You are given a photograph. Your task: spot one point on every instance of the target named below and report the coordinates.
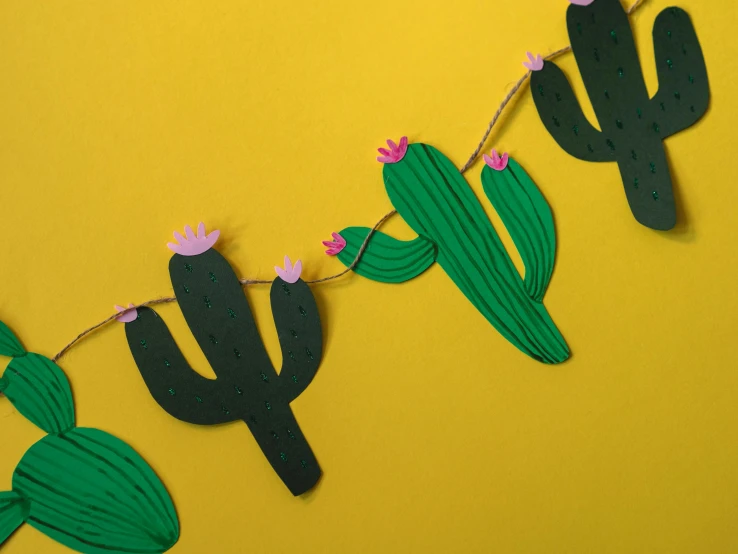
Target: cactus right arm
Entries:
(387, 259)
(175, 386)
(528, 219)
(562, 115)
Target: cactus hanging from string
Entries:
(633, 125)
(247, 387)
(436, 201)
(84, 488)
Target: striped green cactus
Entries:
(84, 488)
(436, 201)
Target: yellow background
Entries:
(121, 121)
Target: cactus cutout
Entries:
(84, 488)
(437, 203)
(633, 125)
(247, 387)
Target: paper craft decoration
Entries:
(84, 488)
(247, 387)
(633, 126)
(438, 204)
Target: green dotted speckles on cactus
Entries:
(608, 62)
(247, 387)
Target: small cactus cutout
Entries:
(83, 488)
(247, 388)
(633, 124)
(435, 200)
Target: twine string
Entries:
(245, 281)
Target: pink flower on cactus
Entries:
(581, 2)
(193, 245)
(336, 245)
(496, 162)
(127, 314)
(536, 62)
(289, 274)
(395, 153)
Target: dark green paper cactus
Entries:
(437, 203)
(633, 125)
(247, 387)
(84, 488)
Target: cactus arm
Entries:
(40, 391)
(563, 117)
(13, 512)
(386, 259)
(175, 386)
(300, 336)
(528, 218)
(684, 91)
(214, 305)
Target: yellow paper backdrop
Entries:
(123, 120)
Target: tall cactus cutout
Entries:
(247, 387)
(437, 203)
(633, 125)
(84, 488)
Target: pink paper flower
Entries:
(395, 152)
(193, 245)
(536, 62)
(581, 2)
(336, 245)
(289, 274)
(496, 162)
(127, 314)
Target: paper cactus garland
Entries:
(435, 200)
(247, 387)
(84, 488)
(633, 125)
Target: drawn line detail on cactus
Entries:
(58, 486)
(371, 230)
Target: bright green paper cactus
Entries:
(633, 125)
(84, 488)
(436, 201)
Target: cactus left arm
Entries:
(684, 91)
(562, 115)
(175, 386)
(300, 336)
(527, 217)
(387, 259)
